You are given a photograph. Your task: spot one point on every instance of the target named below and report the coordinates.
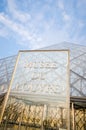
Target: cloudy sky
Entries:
(32, 24)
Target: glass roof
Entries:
(77, 68)
(6, 70)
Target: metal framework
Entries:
(77, 68)
(77, 86)
(6, 70)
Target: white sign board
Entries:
(42, 76)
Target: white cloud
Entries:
(64, 13)
(40, 28)
(27, 35)
(60, 4)
(55, 36)
(16, 13)
(19, 29)
(66, 17)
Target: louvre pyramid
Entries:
(22, 114)
(77, 68)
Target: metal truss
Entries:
(6, 70)
(78, 89)
(77, 68)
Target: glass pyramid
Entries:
(77, 68)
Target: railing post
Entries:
(73, 116)
(44, 114)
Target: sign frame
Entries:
(68, 80)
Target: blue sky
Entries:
(32, 24)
